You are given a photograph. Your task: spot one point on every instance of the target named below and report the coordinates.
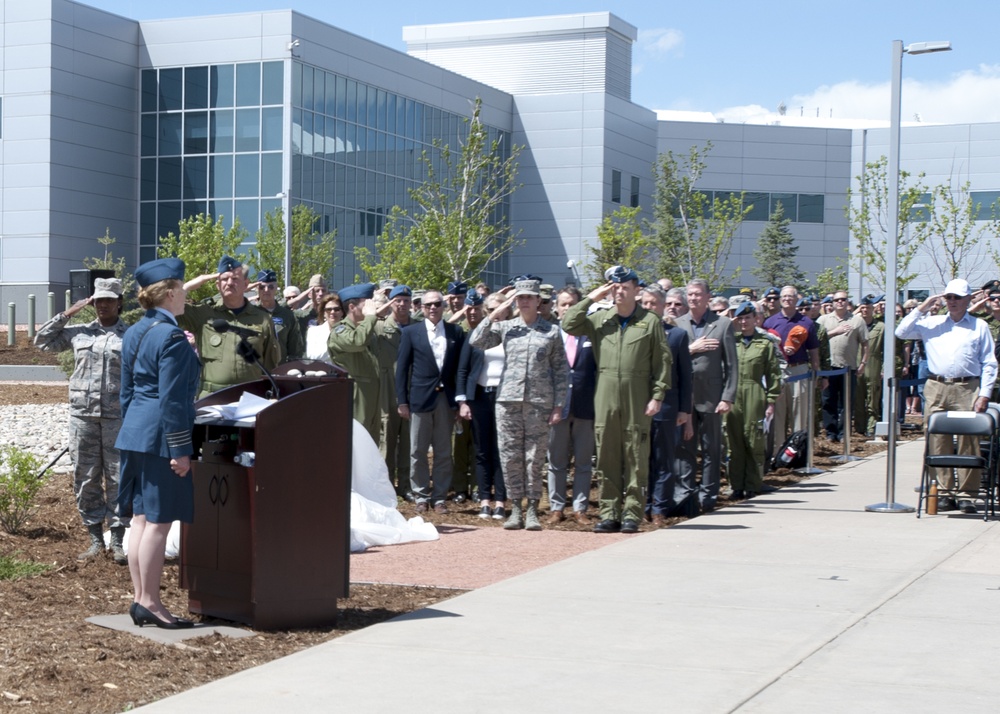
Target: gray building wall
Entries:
(956, 153)
(68, 155)
(774, 159)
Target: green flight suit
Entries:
(222, 365)
(634, 364)
(868, 400)
(395, 444)
(353, 348)
(758, 365)
(286, 329)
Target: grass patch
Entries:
(13, 569)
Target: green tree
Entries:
(691, 234)
(869, 223)
(200, 242)
(776, 252)
(620, 242)
(956, 241)
(460, 224)
(830, 280)
(109, 262)
(312, 251)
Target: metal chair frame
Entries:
(986, 426)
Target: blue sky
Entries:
(737, 60)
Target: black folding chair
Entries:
(981, 425)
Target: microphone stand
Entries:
(245, 350)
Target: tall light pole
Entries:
(888, 424)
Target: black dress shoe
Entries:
(144, 617)
(630, 526)
(131, 612)
(946, 504)
(965, 506)
(608, 526)
(738, 495)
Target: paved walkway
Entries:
(798, 601)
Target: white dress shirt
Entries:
(439, 343)
(954, 349)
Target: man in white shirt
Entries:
(848, 337)
(962, 369)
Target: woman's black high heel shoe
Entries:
(131, 612)
(145, 617)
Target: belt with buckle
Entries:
(951, 380)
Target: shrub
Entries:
(19, 485)
(11, 568)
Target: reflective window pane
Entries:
(195, 87)
(171, 89)
(269, 205)
(196, 133)
(390, 114)
(248, 214)
(270, 174)
(170, 134)
(296, 84)
(273, 84)
(271, 129)
(788, 205)
(351, 99)
(331, 94)
(222, 84)
(147, 224)
(195, 177)
(248, 130)
(167, 219)
(220, 177)
(810, 208)
(147, 180)
(148, 141)
(362, 103)
(248, 84)
(221, 209)
(341, 97)
(247, 175)
(307, 133)
(221, 136)
(758, 205)
(307, 87)
(192, 209)
(149, 90)
(169, 179)
(319, 91)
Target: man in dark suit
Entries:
(425, 391)
(714, 373)
(675, 413)
(574, 435)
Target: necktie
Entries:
(571, 349)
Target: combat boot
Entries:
(117, 547)
(515, 519)
(96, 532)
(531, 522)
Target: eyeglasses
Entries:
(431, 304)
(333, 309)
(840, 299)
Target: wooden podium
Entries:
(270, 543)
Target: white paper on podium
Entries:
(245, 410)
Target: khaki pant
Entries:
(952, 397)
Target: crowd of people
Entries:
(502, 396)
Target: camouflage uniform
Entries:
(222, 365)
(286, 329)
(533, 383)
(94, 411)
(353, 348)
(395, 444)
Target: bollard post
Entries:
(11, 323)
(809, 469)
(51, 306)
(67, 302)
(890, 505)
(847, 456)
(31, 317)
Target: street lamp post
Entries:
(888, 424)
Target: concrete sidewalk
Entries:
(797, 601)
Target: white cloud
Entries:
(967, 97)
(661, 41)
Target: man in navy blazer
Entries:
(425, 391)
(573, 436)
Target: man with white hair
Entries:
(963, 368)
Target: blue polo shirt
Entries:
(783, 325)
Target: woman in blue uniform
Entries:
(160, 376)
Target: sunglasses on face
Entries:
(952, 297)
(431, 304)
(772, 298)
(840, 299)
(333, 309)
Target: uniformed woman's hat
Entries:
(472, 298)
(156, 270)
(107, 288)
(526, 287)
(744, 308)
(361, 291)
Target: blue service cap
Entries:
(457, 287)
(156, 270)
(473, 299)
(772, 292)
(804, 302)
(880, 298)
(827, 300)
(267, 276)
(361, 291)
(228, 264)
(744, 308)
(620, 274)
(400, 291)
(868, 300)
